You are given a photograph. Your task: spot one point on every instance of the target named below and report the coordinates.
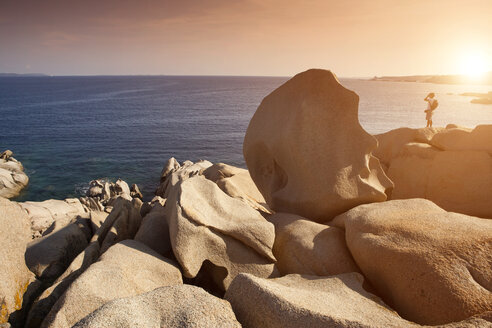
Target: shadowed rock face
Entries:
(307, 152)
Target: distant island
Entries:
(439, 79)
(483, 98)
(21, 75)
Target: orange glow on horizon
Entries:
(353, 38)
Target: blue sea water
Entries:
(70, 130)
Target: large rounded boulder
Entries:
(307, 152)
(182, 306)
(307, 247)
(432, 266)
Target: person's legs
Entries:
(430, 123)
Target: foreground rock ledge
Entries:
(126, 269)
(431, 266)
(183, 306)
(296, 301)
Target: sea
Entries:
(69, 130)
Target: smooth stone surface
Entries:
(451, 167)
(307, 152)
(44, 302)
(432, 266)
(306, 247)
(457, 138)
(127, 269)
(122, 223)
(154, 230)
(205, 224)
(173, 173)
(49, 256)
(180, 306)
(296, 301)
(237, 183)
(43, 214)
(15, 277)
(390, 143)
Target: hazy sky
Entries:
(244, 37)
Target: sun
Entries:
(474, 65)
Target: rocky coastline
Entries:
(328, 227)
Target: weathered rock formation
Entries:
(126, 269)
(181, 306)
(43, 304)
(15, 277)
(102, 194)
(451, 167)
(173, 172)
(308, 301)
(154, 230)
(121, 224)
(205, 224)
(306, 247)
(12, 176)
(431, 266)
(237, 183)
(307, 152)
(44, 214)
(49, 256)
(110, 260)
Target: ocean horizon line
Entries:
(3, 75)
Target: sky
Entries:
(353, 38)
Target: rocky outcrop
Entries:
(127, 269)
(451, 167)
(306, 247)
(12, 176)
(43, 215)
(237, 183)
(103, 193)
(432, 266)
(182, 306)
(173, 172)
(458, 138)
(14, 275)
(49, 256)
(308, 301)
(122, 223)
(307, 152)
(205, 224)
(44, 302)
(233, 231)
(154, 230)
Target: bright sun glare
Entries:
(474, 65)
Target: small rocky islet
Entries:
(327, 228)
